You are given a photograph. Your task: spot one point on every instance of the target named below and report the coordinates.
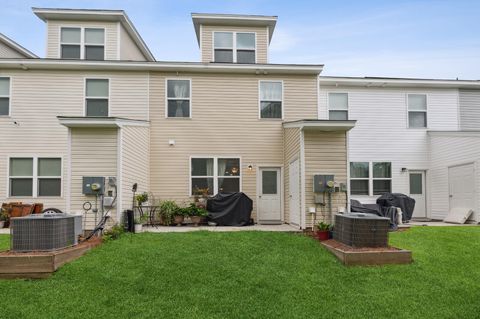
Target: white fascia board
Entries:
(391, 82)
(100, 122)
(17, 47)
(321, 125)
(258, 69)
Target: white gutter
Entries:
(396, 82)
(258, 69)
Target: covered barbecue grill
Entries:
(230, 209)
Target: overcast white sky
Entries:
(402, 38)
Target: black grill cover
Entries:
(230, 209)
(406, 204)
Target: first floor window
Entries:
(178, 98)
(4, 96)
(338, 106)
(370, 178)
(417, 110)
(271, 99)
(215, 175)
(96, 97)
(35, 177)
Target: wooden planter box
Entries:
(352, 256)
(40, 264)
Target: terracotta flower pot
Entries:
(196, 220)
(322, 235)
(2, 224)
(178, 219)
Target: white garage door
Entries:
(461, 183)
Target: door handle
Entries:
(450, 196)
(259, 196)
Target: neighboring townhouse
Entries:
(100, 105)
(414, 136)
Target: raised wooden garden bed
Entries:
(351, 256)
(40, 264)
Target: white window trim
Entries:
(82, 40)
(370, 177)
(189, 99)
(9, 96)
(96, 97)
(333, 109)
(234, 44)
(35, 178)
(215, 172)
(260, 101)
(408, 110)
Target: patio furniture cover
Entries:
(376, 209)
(405, 203)
(230, 209)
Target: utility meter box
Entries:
(93, 185)
(320, 183)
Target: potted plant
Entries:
(141, 198)
(196, 213)
(3, 218)
(323, 231)
(167, 210)
(201, 195)
(139, 223)
(179, 215)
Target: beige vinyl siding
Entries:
(53, 36)
(38, 97)
(6, 52)
(224, 123)
(128, 49)
(291, 137)
(469, 109)
(207, 41)
(325, 153)
(93, 153)
(135, 162)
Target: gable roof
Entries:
(16, 47)
(234, 20)
(96, 15)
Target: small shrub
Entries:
(113, 233)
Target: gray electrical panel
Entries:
(88, 181)
(320, 183)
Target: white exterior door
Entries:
(417, 192)
(461, 185)
(269, 205)
(294, 192)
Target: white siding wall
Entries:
(381, 132)
(469, 109)
(450, 150)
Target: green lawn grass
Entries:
(254, 275)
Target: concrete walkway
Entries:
(436, 223)
(183, 229)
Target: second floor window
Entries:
(271, 100)
(82, 43)
(417, 110)
(338, 106)
(234, 47)
(178, 98)
(96, 97)
(4, 96)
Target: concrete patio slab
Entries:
(183, 229)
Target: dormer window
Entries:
(234, 47)
(82, 43)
